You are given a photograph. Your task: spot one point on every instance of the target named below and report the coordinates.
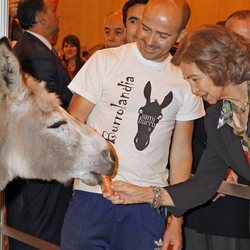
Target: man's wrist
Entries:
(178, 220)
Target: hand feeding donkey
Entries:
(40, 140)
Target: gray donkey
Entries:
(38, 139)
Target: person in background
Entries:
(221, 22)
(15, 30)
(85, 55)
(13, 5)
(239, 22)
(33, 206)
(114, 30)
(138, 101)
(93, 49)
(132, 12)
(71, 57)
(216, 62)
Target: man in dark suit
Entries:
(34, 48)
(38, 207)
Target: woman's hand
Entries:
(126, 193)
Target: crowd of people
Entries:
(148, 99)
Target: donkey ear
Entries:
(147, 91)
(10, 72)
(167, 100)
(5, 41)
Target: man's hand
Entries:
(172, 239)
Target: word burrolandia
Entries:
(126, 88)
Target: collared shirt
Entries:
(231, 117)
(41, 38)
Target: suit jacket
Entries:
(40, 62)
(225, 217)
(223, 150)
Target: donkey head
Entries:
(38, 139)
(149, 116)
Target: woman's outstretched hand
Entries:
(126, 193)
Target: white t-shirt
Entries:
(120, 82)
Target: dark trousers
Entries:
(94, 223)
(37, 208)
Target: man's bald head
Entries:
(162, 26)
(180, 6)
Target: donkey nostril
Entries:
(109, 155)
(112, 156)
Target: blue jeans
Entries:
(94, 223)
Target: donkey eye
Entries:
(57, 124)
(159, 117)
(140, 111)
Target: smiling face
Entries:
(114, 31)
(69, 50)
(134, 17)
(201, 84)
(159, 30)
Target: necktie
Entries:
(54, 51)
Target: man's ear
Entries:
(41, 18)
(181, 35)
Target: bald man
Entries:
(114, 30)
(137, 100)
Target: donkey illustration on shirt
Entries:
(149, 116)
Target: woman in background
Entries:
(71, 57)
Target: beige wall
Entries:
(211, 11)
(84, 18)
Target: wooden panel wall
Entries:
(212, 11)
(84, 18)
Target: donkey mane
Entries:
(37, 90)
